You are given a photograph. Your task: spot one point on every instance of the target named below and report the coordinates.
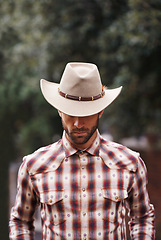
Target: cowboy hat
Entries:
(80, 92)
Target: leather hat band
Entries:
(75, 98)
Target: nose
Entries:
(78, 122)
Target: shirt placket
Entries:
(84, 195)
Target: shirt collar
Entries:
(94, 148)
(70, 150)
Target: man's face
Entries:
(80, 130)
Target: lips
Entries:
(79, 133)
(80, 130)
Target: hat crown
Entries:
(81, 79)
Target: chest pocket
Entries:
(114, 204)
(52, 206)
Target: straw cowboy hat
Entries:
(80, 92)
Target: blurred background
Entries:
(38, 38)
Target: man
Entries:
(83, 182)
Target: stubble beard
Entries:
(80, 139)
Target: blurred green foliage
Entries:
(38, 38)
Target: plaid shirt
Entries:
(83, 194)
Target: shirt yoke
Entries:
(117, 156)
(114, 155)
(45, 159)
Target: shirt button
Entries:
(83, 189)
(50, 201)
(116, 198)
(84, 214)
(83, 167)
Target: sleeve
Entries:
(141, 212)
(22, 214)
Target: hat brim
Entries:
(76, 108)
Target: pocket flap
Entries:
(115, 194)
(52, 196)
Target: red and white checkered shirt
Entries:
(83, 194)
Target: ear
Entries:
(100, 113)
(60, 113)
